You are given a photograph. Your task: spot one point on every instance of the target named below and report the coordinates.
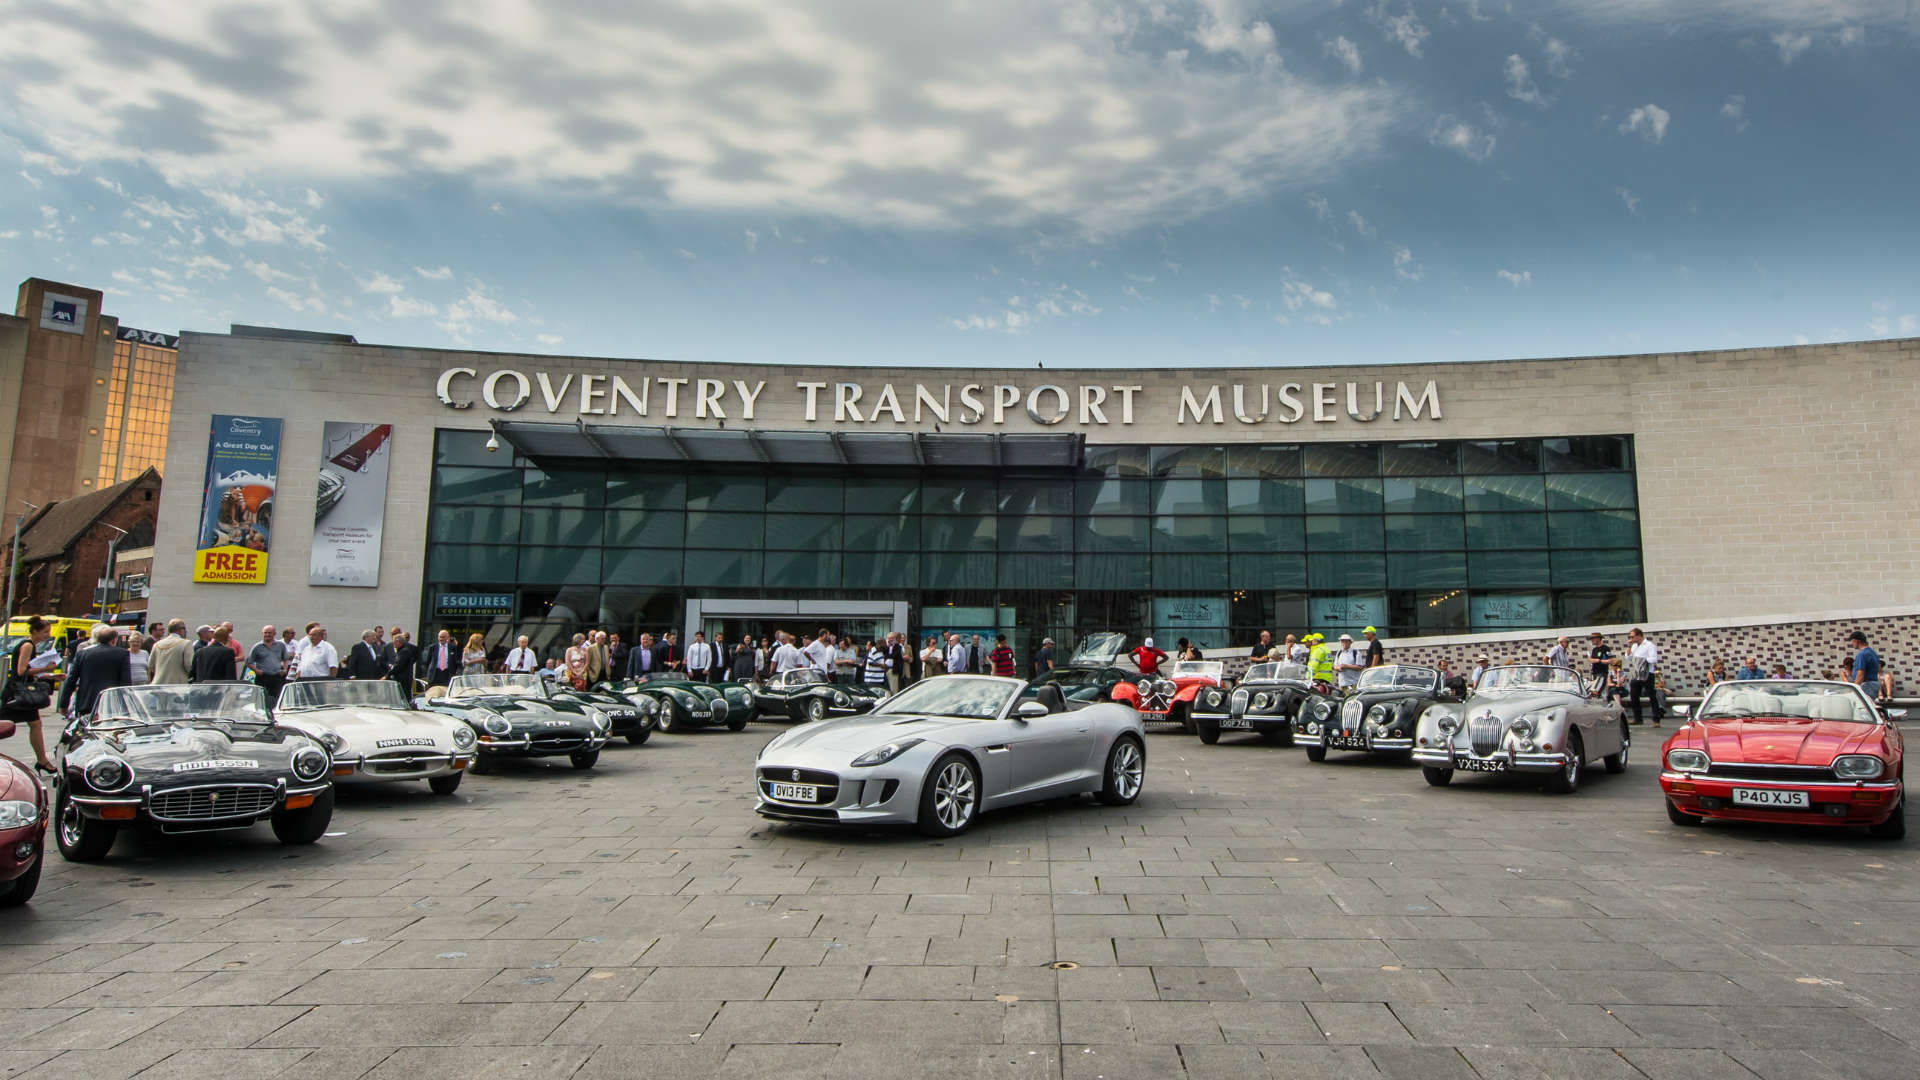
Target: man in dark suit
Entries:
(442, 660)
(406, 662)
(722, 658)
(363, 660)
(95, 668)
(215, 665)
(670, 655)
(644, 661)
(617, 651)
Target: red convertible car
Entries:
(23, 828)
(1168, 696)
(1788, 751)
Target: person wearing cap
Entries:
(206, 637)
(1479, 667)
(1376, 653)
(1598, 659)
(1043, 660)
(1147, 657)
(1320, 659)
(1348, 664)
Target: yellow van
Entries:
(64, 632)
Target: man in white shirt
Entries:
(820, 654)
(786, 657)
(699, 658)
(1479, 665)
(1348, 665)
(318, 659)
(1642, 661)
(521, 659)
(1558, 655)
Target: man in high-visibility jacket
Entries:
(1320, 660)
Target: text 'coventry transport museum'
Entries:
(354, 484)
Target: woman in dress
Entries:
(577, 662)
(20, 680)
(474, 660)
(137, 656)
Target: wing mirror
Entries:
(1893, 715)
(1684, 712)
(1029, 710)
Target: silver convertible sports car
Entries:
(1526, 718)
(941, 751)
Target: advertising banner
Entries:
(1524, 611)
(350, 504)
(236, 510)
(1335, 615)
(468, 604)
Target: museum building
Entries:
(507, 494)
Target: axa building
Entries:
(503, 493)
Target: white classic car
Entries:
(1526, 718)
(375, 735)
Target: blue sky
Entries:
(1182, 182)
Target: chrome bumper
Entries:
(1516, 762)
(422, 765)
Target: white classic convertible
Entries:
(375, 735)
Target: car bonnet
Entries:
(866, 731)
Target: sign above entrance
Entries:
(992, 404)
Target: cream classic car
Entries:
(374, 734)
(1525, 718)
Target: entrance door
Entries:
(863, 620)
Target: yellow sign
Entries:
(231, 564)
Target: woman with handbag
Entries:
(25, 694)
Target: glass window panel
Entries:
(1438, 612)
(788, 569)
(1420, 459)
(1488, 531)
(789, 531)
(462, 523)
(1120, 460)
(1505, 493)
(1598, 607)
(1427, 570)
(1342, 459)
(643, 567)
(1189, 461)
(1037, 533)
(1500, 456)
(1245, 533)
(1586, 569)
(1590, 491)
(1425, 532)
(1111, 571)
(472, 562)
(957, 498)
(1352, 532)
(892, 532)
(1032, 496)
(959, 533)
(723, 569)
(1113, 496)
(816, 494)
(457, 448)
(868, 495)
(1597, 528)
(1263, 461)
(955, 570)
(1190, 533)
(1268, 571)
(706, 491)
(1343, 496)
(1113, 534)
(1488, 610)
(553, 565)
(1589, 453)
(1506, 569)
(734, 532)
(634, 528)
(566, 487)
(571, 528)
(1034, 571)
(1423, 495)
(492, 487)
(893, 570)
(666, 490)
(1186, 573)
(1265, 496)
(1190, 496)
(1347, 571)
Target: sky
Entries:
(976, 183)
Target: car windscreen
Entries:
(1276, 672)
(1530, 677)
(1099, 648)
(968, 696)
(183, 701)
(509, 685)
(804, 677)
(343, 693)
(1398, 677)
(1198, 669)
(1786, 699)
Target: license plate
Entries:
(1236, 725)
(1771, 797)
(1473, 764)
(794, 792)
(702, 713)
(1347, 742)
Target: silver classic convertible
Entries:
(941, 751)
(1526, 718)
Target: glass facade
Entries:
(1209, 543)
(139, 399)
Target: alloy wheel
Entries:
(954, 795)
(1128, 770)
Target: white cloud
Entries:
(1735, 110)
(382, 283)
(475, 307)
(1520, 86)
(1852, 35)
(10, 234)
(1404, 29)
(685, 254)
(111, 185)
(296, 301)
(1404, 267)
(1559, 57)
(1627, 197)
(258, 268)
(753, 240)
(34, 159)
(407, 307)
(1360, 224)
(1515, 278)
(264, 221)
(549, 339)
(438, 273)
(1649, 120)
(205, 267)
(1791, 44)
(314, 199)
(1461, 137)
(1306, 301)
(1345, 51)
(1320, 207)
(1909, 325)
(1053, 300)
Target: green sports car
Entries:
(683, 704)
(806, 695)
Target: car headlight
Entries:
(840, 698)
(1448, 723)
(310, 763)
(880, 755)
(599, 719)
(109, 774)
(1377, 714)
(332, 740)
(1858, 766)
(1522, 727)
(646, 706)
(463, 737)
(1688, 760)
(1262, 701)
(1322, 709)
(1213, 697)
(496, 724)
(14, 815)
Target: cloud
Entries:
(1404, 267)
(1462, 137)
(1515, 278)
(382, 283)
(47, 163)
(753, 240)
(407, 307)
(1345, 51)
(1305, 301)
(685, 254)
(10, 234)
(1360, 224)
(259, 268)
(205, 267)
(1852, 35)
(1021, 314)
(1735, 110)
(263, 221)
(1559, 57)
(1649, 120)
(973, 113)
(297, 302)
(1791, 45)
(438, 273)
(1404, 29)
(1320, 207)
(1520, 85)
(549, 339)
(1627, 197)
(475, 307)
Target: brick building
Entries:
(64, 545)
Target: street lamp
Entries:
(13, 565)
(110, 581)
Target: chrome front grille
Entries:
(1803, 774)
(405, 762)
(719, 708)
(1350, 714)
(212, 802)
(568, 741)
(1238, 706)
(1483, 735)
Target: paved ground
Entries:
(1254, 915)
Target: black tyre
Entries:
(1126, 772)
(739, 722)
(950, 799)
(1617, 763)
(1567, 780)
(1679, 816)
(445, 785)
(1182, 713)
(1436, 775)
(81, 838)
(481, 764)
(585, 759)
(1894, 828)
(635, 738)
(813, 710)
(21, 889)
(1317, 751)
(307, 824)
(1208, 729)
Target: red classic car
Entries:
(23, 827)
(1787, 750)
(1168, 696)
